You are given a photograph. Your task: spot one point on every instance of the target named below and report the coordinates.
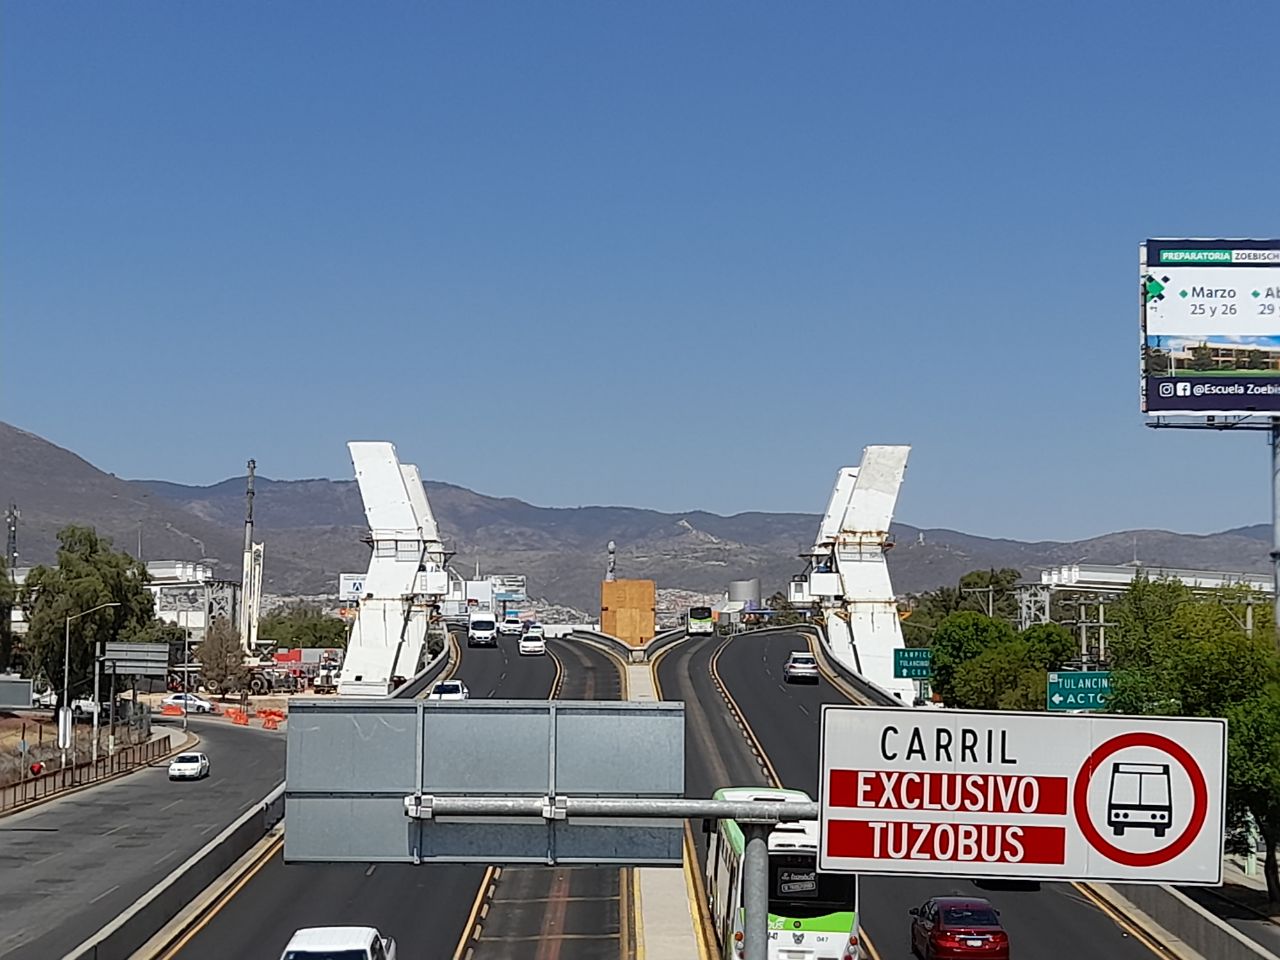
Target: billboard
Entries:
(350, 587)
(1210, 327)
(509, 588)
(1034, 796)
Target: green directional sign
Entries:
(1078, 690)
(912, 663)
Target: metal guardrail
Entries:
(34, 789)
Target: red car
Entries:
(958, 928)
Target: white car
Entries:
(449, 690)
(189, 766)
(533, 643)
(801, 667)
(190, 701)
(511, 627)
(339, 943)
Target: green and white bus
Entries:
(812, 915)
(699, 620)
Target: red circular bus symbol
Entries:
(1199, 800)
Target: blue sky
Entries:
(664, 254)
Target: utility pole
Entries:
(246, 578)
(12, 516)
(990, 591)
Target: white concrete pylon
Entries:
(859, 608)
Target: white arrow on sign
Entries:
(1056, 698)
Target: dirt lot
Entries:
(40, 730)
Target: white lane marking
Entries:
(105, 893)
(115, 829)
(165, 857)
(169, 806)
(369, 872)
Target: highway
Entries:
(70, 866)
(568, 913)
(1049, 922)
(432, 910)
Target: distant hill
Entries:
(313, 530)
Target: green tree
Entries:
(8, 596)
(958, 639)
(1193, 664)
(784, 611)
(1201, 357)
(1255, 360)
(991, 592)
(1158, 362)
(1253, 774)
(976, 590)
(302, 625)
(1180, 654)
(89, 573)
(1052, 643)
(222, 658)
(1011, 674)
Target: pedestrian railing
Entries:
(32, 789)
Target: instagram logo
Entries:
(1166, 389)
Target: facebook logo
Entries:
(1183, 390)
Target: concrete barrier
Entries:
(1191, 923)
(149, 914)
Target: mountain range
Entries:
(313, 529)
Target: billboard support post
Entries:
(1275, 521)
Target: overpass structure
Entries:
(406, 579)
(847, 575)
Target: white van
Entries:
(482, 630)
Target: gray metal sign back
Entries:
(15, 693)
(136, 659)
(350, 765)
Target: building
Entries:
(189, 595)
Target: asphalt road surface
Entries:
(1049, 922)
(70, 866)
(569, 913)
(425, 908)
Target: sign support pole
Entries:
(755, 890)
(1275, 521)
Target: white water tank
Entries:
(746, 592)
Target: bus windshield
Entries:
(797, 889)
(699, 613)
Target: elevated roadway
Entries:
(769, 735)
(438, 910)
(71, 865)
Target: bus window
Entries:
(797, 889)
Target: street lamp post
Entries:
(66, 682)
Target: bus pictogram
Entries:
(1140, 798)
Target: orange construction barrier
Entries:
(240, 719)
(270, 723)
(171, 710)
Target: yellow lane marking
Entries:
(637, 915)
(694, 889)
(469, 929)
(1123, 922)
(772, 772)
(267, 855)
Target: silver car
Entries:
(801, 668)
